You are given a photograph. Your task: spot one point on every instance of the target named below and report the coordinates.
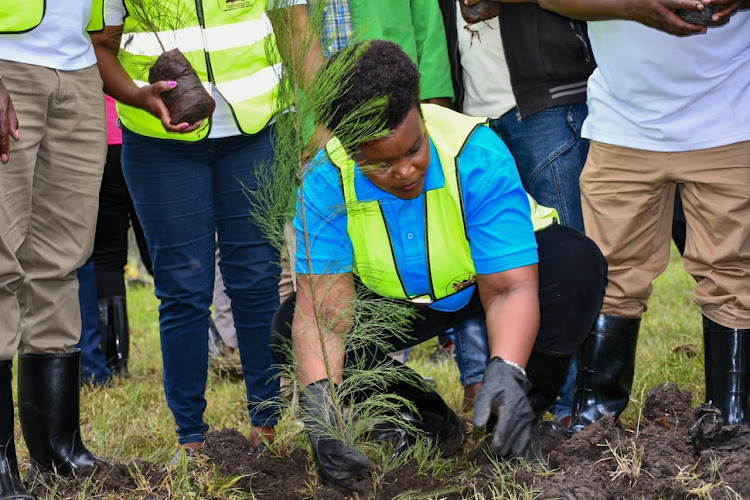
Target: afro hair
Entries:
(382, 70)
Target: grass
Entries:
(131, 420)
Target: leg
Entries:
(627, 207)
(171, 186)
(550, 154)
(249, 265)
(223, 318)
(94, 368)
(717, 254)
(65, 196)
(59, 240)
(16, 179)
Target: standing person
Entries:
(526, 69)
(189, 183)
(52, 147)
(433, 214)
(657, 124)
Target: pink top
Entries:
(114, 134)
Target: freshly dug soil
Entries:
(652, 461)
(481, 11)
(188, 101)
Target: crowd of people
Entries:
(517, 188)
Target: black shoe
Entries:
(606, 364)
(727, 366)
(10, 480)
(113, 320)
(48, 407)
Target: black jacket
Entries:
(549, 56)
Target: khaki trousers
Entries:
(628, 197)
(49, 192)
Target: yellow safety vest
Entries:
(446, 238)
(20, 16)
(229, 44)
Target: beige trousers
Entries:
(49, 195)
(628, 197)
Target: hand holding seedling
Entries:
(8, 123)
(149, 98)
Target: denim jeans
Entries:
(550, 154)
(93, 362)
(184, 194)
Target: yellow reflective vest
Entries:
(230, 45)
(20, 16)
(449, 262)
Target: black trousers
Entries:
(116, 213)
(572, 278)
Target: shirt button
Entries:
(410, 236)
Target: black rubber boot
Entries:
(10, 481)
(48, 407)
(606, 364)
(113, 319)
(546, 372)
(727, 365)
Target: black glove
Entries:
(505, 392)
(337, 463)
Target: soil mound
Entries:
(655, 460)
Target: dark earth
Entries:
(653, 460)
(188, 101)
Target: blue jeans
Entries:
(93, 362)
(184, 194)
(550, 154)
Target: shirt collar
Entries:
(367, 191)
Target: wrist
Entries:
(512, 364)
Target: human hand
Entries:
(729, 8)
(337, 463)
(504, 392)
(662, 15)
(8, 123)
(149, 99)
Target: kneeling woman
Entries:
(434, 213)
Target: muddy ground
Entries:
(651, 461)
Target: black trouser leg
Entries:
(727, 366)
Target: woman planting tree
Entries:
(188, 181)
(428, 209)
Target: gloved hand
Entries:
(337, 463)
(505, 392)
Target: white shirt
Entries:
(222, 120)
(59, 42)
(658, 92)
(487, 88)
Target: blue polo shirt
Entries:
(498, 218)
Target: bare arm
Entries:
(118, 84)
(657, 14)
(322, 319)
(511, 304)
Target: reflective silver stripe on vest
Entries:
(190, 39)
(258, 83)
